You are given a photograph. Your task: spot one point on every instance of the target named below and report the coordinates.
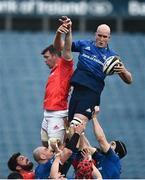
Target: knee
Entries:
(44, 138)
(78, 118)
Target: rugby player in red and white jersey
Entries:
(57, 87)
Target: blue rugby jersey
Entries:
(89, 71)
(108, 164)
(42, 171)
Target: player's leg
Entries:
(43, 133)
(82, 105)
(44, 137)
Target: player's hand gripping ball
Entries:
(109, 64)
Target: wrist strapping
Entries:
(73, 142)
(76, 121)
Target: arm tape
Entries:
(73, 142)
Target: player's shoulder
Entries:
(88, 42)
(83, 42)
(112, 52)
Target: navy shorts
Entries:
(83, 100)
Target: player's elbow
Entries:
(128, 80)
(100, 138)
(67, 152)
(67, 55)
(58, 45)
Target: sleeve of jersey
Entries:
(112, 155)
(76, 46)
(96, 156)
(64, 62)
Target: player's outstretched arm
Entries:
(96, 173)
(58, 40)
(64, 45)
(99, 133)
(67, 54)
(54, 173)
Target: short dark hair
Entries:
(52, 50)
(120, 149)
(15, 175)
(12, 162)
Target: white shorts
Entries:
(53, 124)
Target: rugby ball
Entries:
(109, 64)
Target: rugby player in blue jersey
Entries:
(109, 156)
(88, 78)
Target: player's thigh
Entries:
(72, 107)
(86, 104)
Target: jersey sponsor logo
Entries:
(93, 58)
(88, 110)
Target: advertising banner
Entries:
(96, 8)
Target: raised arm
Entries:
(86, 153)
(124, 74)
(99, 133)
(96, 173)
(71, 145)
(67, 54)
(54, 173)
(58, 40)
